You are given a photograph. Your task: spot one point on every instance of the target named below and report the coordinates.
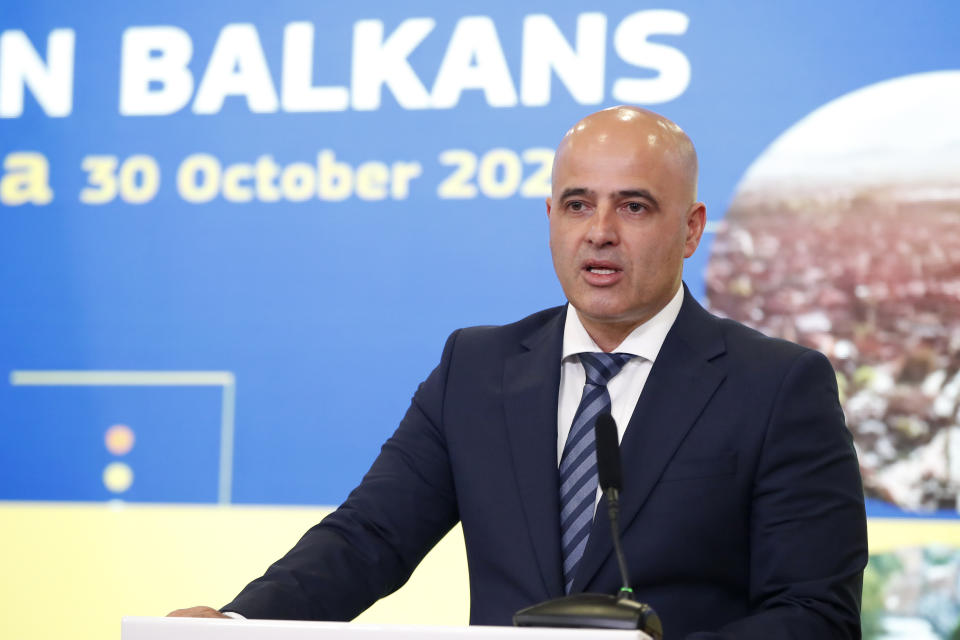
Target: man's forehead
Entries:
(639, 150)
(611, 167)
(582, 158)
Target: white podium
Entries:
(133, 628)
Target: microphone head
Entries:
(608, 453)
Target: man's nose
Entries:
(603, 227)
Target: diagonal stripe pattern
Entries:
(578, 464)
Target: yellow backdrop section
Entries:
(887, 534)
(71, 570)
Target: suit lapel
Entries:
(532, 383)
(679, 386)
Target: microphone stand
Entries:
(613, 512)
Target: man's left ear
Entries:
(696, 221)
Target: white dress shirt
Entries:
(625, 388)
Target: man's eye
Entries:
(575, 206)
(635, 207)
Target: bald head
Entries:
(634, 130)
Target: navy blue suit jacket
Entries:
(742, 510)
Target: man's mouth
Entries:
(602, 267)
(601, 273)
(601, 270)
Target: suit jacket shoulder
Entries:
(507, 338)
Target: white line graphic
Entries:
(93, 378)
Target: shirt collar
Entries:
(644, 341)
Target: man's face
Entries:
(622, 220)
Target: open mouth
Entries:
(601, 268)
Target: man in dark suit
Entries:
(742, 511)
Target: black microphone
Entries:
(595, 610)
(610, 474)
(609, 471)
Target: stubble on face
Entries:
(623, 216)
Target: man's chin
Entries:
(600, 313)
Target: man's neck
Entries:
(608, 336)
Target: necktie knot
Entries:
(602, 367)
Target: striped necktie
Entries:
(578, 464)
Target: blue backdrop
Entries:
(178, 234)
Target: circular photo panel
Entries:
(844, 236)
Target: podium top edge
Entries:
(157, 628)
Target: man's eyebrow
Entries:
(638, 193)
(574, 191)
